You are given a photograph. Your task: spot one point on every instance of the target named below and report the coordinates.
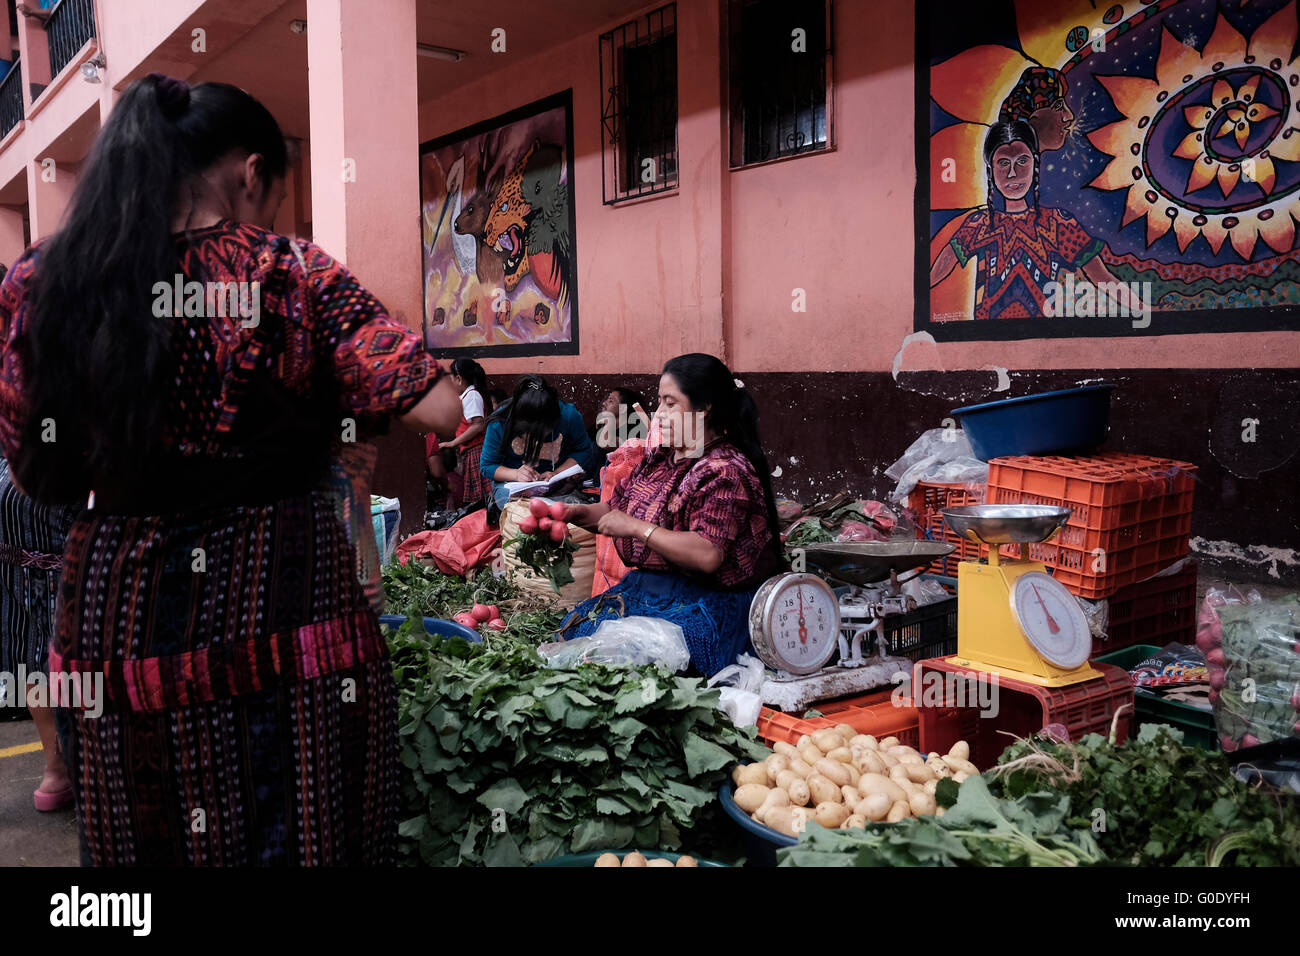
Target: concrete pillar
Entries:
(49, 189)
(365, 144)
(365, 186)
(11, 234)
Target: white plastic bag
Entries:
(740, 699)
(941, 455)
(925, 591)
(630, 641)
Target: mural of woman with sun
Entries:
(1166, 133)
(1024, 250)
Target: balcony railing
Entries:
(70, 25)
(11, 99)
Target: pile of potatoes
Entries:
(841, 778)
(636, 858)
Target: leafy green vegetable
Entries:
(1263, 669)
(551, 559)
(427, 592)
(1156, 802)
(507, 762)
(979, 830)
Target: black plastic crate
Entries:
(929, 631)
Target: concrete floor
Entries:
(29, 838)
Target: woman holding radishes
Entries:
(695, 521)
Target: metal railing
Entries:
(11, 98)
(70, 25)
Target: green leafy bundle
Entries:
(979, 829)
(508, 762)
(551, 559)
(1156, 802)
(1261, 693)
(427, 592)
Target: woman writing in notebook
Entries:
(696, 520)
(545, 437)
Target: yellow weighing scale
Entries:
(1013, 618)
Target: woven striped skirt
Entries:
(247, 711)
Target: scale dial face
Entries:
(795, 623)
(1051, 619)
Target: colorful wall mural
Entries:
(497, 221)
(1094, 168)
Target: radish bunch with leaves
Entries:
(543, 543)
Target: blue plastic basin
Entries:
(761, 842)
(435, 625)
(1049, 423)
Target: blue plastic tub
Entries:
(1049, 423)
(761, 843)
(435, 625)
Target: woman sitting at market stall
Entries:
(547, 436)
(696, 520)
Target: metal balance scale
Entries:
(798, 622)
(1013, 618)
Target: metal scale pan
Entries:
(867, 562)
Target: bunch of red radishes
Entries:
(480, 615)
(545, 518)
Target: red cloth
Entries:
(466, 545)
(431, 446)
(621, 462)
(717, 495)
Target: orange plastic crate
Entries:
(874, 713)
(1133, 510)
(1022, 709)
(927, 501)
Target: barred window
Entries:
(638, 69)
(780, 78)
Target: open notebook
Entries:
(527, 489)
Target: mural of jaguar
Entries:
(529, 222)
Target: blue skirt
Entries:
(715, 623)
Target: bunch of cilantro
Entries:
(1155, 801)
(507, 762)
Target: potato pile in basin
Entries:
(841, 778)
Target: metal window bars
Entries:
(638, 74)
(11, 98)
(781, 97)
(71, 24)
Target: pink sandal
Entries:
(47, 802)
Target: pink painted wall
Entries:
(838, 225)
(650, 275)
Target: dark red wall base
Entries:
(828, 431)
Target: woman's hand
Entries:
(586, 516)
(620, 524)
(527, 473)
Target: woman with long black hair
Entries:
(696, 520)
(533, 436)
(221, 588)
